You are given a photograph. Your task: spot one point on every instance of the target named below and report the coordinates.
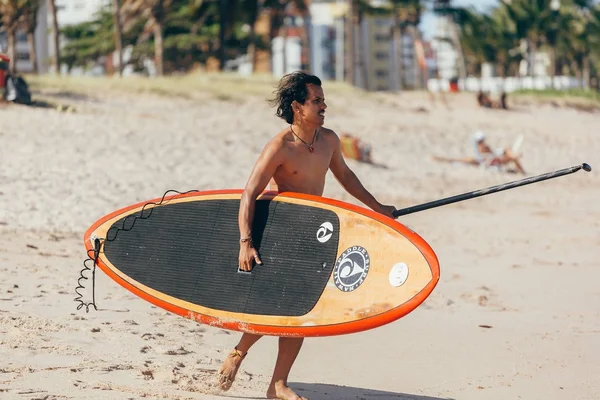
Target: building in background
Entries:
(327, 37)
(379, 63)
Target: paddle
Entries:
(490, 190)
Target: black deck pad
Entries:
(190, 251)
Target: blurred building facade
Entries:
(379, 63)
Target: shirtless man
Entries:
(296, 160)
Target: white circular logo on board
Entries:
(351, 268)
(398, 274)
(325, 231)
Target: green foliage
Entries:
(572, 93)
(190, 36)
(514, 30)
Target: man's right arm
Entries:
(264, 169)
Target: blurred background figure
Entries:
(505, 159)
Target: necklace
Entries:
(310, 145)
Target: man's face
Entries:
(313, 109)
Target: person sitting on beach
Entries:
(485, 101)
(297, 159)
(485, 156)
(355, 148)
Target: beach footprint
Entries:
(484, 297)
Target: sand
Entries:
(516, 314)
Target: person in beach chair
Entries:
(356, 149)
(487, 157)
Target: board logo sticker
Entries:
(325, 231)
(351, 268)
(398, 274)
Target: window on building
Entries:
(380, 37)
(381, 55)
(22, 56)
(381, 73)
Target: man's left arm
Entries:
(350, 182)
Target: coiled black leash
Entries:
(93, 254)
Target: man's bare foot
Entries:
(279, 390)
(230, 368)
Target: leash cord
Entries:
(94, 254)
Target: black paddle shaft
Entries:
(490, 190)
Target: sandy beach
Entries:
(516, 314)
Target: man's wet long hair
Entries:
(292, 87)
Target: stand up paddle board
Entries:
(329, 267)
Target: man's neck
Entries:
(304, 131)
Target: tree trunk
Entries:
(12, 49)
(576, 70)
(585, 79)
(251, 49)
(158, 48)
(32, 54)
(118, 35)
(56, 36)
(532, 54)
(462, 63)
(222, 28)
(553, 62)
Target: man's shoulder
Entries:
(328, 134)
(280, 140)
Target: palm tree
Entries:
(155, 14)
(11, 11)
(583, 43)
(29, 24)
(534, 22)
(55, 36)
(476, 38)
